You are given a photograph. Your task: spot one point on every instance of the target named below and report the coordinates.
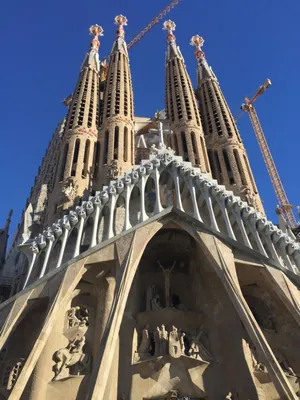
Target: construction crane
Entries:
(151, 25)
(285, 208)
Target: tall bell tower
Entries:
(227, 155)
(75, 168)
(117, 129)
(181, 107)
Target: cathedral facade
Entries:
(143, 266)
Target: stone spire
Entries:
(75, 169)
(117, 129)
(181, 107)
(4, 239)
(227, 155)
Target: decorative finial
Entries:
(169, 26)
(121, 21)
(157, 116)
(198, 42)
(96, 30)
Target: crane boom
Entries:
(151, 25)
(284, 205)
(154, 22)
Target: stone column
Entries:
(221, 259)
(42, 373)
(105, 294)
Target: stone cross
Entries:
(159, 129)
(167, 273)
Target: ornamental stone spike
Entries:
(121, 21)
(169, 26)
(198, 41)
(96, 31)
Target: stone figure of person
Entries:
(197, 349)
(164, 341)
(155, 303)
(174, 343)
(152, 299)
(149, 296)
(181, 338)
(157, 336)
(167, 274)
(83, 316)
(145, 346)
(71, 316)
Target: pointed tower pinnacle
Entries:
(75, 168)
(181, 107)
(4, 239)
(117, 129)
(227, 155)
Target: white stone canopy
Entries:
(194, 193)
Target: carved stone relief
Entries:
(77, 317)
(113, 170)
(71, 360)
(175, 343)
(153, 299)
(69, 189)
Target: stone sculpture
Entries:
(70, 360)
(157, 342)
(163, 341)
(145, 346)
(197, 349)
(78, 317)
(175, 343)
(69, 189)
(113, 170)
(167, 274)
(153, 299)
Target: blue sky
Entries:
(44, 43)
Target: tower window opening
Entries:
(218, 164)
(96, 159)
(194, 144)
(64, 160)
(250, 173)
(75, 157)
(228, 167)
(105, 148)
(125, 151)
(175, 143)
(184, 147)
(212, 164)
(116, 142)
(86, 158)
(239, 166)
